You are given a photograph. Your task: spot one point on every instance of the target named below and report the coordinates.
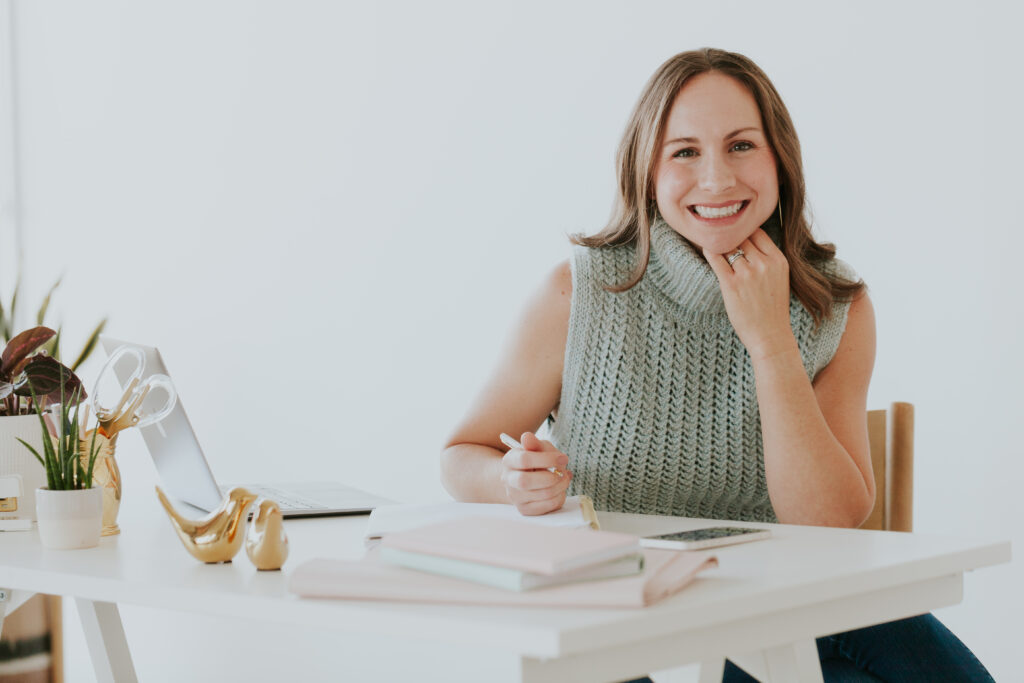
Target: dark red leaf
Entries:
(17, 351)
(46, 375)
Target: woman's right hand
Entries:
(530, 486)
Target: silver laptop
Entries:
(186, 474)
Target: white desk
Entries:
(762, 607)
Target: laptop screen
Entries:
(172, 442)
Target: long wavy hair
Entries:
(635, 207)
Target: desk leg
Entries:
(11, 600)
(796, 662)
(104, 634)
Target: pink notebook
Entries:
(515, 544)
(666, 572)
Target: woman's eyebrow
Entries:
(727, 137)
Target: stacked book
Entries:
(489, 554)
(513, 554)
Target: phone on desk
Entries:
(699, 539)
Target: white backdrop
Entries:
(326, 214)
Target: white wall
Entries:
(326, 214)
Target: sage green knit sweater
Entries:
(658, 410)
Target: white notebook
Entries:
(578, 512)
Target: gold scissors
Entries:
(128, 412)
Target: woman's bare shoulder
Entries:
(553, 299)
(560, 282)
(849, 371)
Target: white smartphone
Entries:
(710, 537)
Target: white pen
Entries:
(512, 443)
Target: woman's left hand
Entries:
(756, 292)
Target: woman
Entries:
(702, 355)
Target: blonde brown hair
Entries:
(637, 158)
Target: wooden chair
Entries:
(891, 434)
(22, 641)
(891, 437)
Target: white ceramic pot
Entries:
(69, 519)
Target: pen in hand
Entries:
(512, 443)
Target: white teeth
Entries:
(720, 212)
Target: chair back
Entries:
(891, 435)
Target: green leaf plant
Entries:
(67, 468)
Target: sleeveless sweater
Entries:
(658, 410)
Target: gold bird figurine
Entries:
(266, 543)
(218, 536)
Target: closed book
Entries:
(515, 544)
(665, 573)
(510, 579)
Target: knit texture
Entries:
(658, 411)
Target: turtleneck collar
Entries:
(679, 271)
(682, 274)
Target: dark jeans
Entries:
(908, 650)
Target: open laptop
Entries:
(186, 474)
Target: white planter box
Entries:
(16, 459)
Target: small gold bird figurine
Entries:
(218, 536)
(266, 543)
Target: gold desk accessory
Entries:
(218, 536)
(105, 475)
(127, 413)
(10, 491)
(266, 543)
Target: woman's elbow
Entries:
(449, 466)
(847, 512)
(862, 508)
(855, 511)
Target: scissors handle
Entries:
(108, 367)
(157, 382)
(128, 412)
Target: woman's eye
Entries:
(686, 153)
(743, 146)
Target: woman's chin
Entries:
(715, 240)
(723, 246)
(727, 242)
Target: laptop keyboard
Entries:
(285, 500)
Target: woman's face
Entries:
(715, 180)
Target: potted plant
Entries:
(69, 509)
(23, 360)
(17, 418)
(32, 381)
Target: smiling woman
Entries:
(702, 355)
(676, 156)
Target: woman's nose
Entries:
(715, 175)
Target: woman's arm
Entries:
(817, 462)
(519, 395)
(816, 454)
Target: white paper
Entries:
(391, 518)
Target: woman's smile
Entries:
(719, 214)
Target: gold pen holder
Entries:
(105, 475)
